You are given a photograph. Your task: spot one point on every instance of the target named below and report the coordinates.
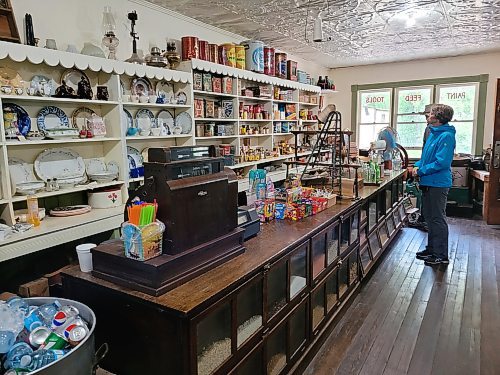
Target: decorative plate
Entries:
(144, 120)
(112, 167)
(72, 77)
(70, 210)
(165, 121)
(61, 163)
(23, 119)
(50, 118)
(131, 163)
(122, 87)
(28, 188)
(184, 121)
(20, 172)
(80, 116)
(38, 89)
(181, 97)
(9, 76)
(136, 155)
(141, 86)
(165, 91)
(128, 120)
(94, 166)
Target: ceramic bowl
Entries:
(132, 131)
(29, 188)
(153, 99)
(144, 99)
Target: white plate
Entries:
(28, 188)
(20, 172)
(94, 166)
(144, 120)
(72, 210)
(181, 97)
(112, 167)
(80, 116)
(60, 163)
(165, 121)
(141, 86)
(135, 155)
(185, 122)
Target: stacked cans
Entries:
(254, 54)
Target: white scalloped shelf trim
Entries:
(38, 55)
(208, 66)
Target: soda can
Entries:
(77, 334)
(32, 320)
(38, 336)
(76, 322)
(66, 312)
(54, 341)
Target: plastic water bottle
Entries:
(40, 358)
(11, 323)
(41, 316)
(13, 358)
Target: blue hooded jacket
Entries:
(434, 167)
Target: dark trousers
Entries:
(435, 217)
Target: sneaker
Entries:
(424, 254)
(434, 260)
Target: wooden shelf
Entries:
(323, 92)
(158, 138)
(90, 186)
(284, 101)
(254, 135)
(285, 120)
(268, 160)
(308, 104)
(253, 120)
(252, 98)
(4, 201)
(48, 99)
(154, 105)
(214, 94)
(61, 141)
(136, 179)
(56, 230)
(216, 137)
(216, 119)
(278, 134)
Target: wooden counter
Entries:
(187, 305)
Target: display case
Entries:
(363, 237)
(388, 198)
(372, 212)
(249, 310)
(354, 227)
(397, 217)
(363, 213)
(365, 258)
(332, 292)
(349, 231)
(374, 243)
(318, 306)
(343, 280)
(252, 364)
(383, 233)
(333, 243)
(276, 287)
(391, 227)
(380, 204)
(318, 254)
(298, 271)
(275, 350)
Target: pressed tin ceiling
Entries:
(359, 31)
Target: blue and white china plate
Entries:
(50, 118)
(184, 121)
(23, 119)
(165, 121)
(145, 119)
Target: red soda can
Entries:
(54, 341)
(269, 61)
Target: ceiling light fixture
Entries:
(318, 29)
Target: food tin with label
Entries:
(240, 56)
(230, 49)
(197, 81)
(227, 85)
(280, 65)
(213, 53)
(254, 51)
(292, 70)
(189, 48)
(269, 61)
(203, 49)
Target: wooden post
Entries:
(492, 188)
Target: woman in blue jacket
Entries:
(434, 170)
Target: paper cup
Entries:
(85, 256)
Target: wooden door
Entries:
(492, 200)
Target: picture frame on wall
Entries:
(8, 25)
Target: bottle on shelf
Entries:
(40, 358)
(32, 204)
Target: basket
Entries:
(143, 243)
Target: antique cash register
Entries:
(198, 203)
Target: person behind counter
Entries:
(434, 170)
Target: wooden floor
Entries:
(413, 319)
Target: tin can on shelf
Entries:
(203, 49)
(222, 55)
(280, 70)
(189, 48)
(269, 61)
(292, 70)
(230, 49)
(213, 53)
(209, 130)
(227, 85)
(254, 52)
(240, 56)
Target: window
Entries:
(375, 114)
(376, 109)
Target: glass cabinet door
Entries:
(372, 213)
(362, 235)
(380, 204)
(384, 236)
(318, 251)
(366, 259)
(390, 225)
(374, 244)
(343, 277)
(318, 306)
(249, 306)
(298, 271)
(363, 212)
(345, 229)
(297, 328)
(353, 267)
(253, 363)
(395, 192)
(388, 199)
(276, 288)
(402, 212)
(332, 243)
(276, 351)
(354, 226)
(397, 219)
(213, 339)
(332, 294)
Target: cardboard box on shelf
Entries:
(35, 288)
(6, 295)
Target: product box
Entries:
(209, 109)
(292, 70)
(314, 99)
(217, 84)
(207, 82)
(227, 109)
(199, 108)
(197, 81)
(35, 288)
(227, 85)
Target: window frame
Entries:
(359, 105)
(480, 104)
